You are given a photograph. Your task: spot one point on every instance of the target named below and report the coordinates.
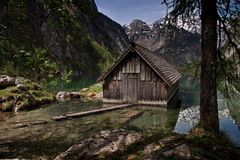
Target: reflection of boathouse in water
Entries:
(140, 76)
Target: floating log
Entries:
(86, 113)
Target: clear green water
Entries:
(46, 141)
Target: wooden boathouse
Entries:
(140, 76)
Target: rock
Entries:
(93, 91)
(7, 106)
(99, 95)
(90, 95)
(74, 95)
(67, 95)
(22, 87)
(6, 81)
(84, 90)
(151, 148)
(102, 145)
(132, 138)
(181, 152)
(21, 80)
(19, 94)
(168, 153)
(163, 142)
(179, 46)
(171, 146)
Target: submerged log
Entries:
(130, 116)
(26, 124)
(86, 113)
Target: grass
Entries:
(95, 88)
(9, 91)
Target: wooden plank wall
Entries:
(150, 87)
(131, 64)
(112, 88)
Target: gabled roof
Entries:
(165, 70)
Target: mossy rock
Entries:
(92, 91)
(34, 98)
(24, 96)
(7, 106)
(25, 101)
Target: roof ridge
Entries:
(161, 66)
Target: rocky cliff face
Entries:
(179, 46)
(73, 32)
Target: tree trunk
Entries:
(208, 103)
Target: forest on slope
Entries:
(42, 40)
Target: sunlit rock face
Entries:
(176, 44)
(101, 146)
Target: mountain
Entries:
(177, 45)
(72, 33)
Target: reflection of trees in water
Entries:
(189, 92)
(229, 109)
(234, 107)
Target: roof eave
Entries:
(101, 78)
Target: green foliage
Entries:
(192, 69)
(95, 88)
(106, 57)
(23, 97)
(28, 62)
(23, 52)
(58, 84)
(66, 76)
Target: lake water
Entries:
(45, 141)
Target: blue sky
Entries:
(124, 11)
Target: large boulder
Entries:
(6, 81)
(61, 96)
(105, 144)
(17, 93)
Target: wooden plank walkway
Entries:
(86, 113)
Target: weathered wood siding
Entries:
(135, 82)
(151, 87)
(112, 89)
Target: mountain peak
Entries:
(176, 44)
